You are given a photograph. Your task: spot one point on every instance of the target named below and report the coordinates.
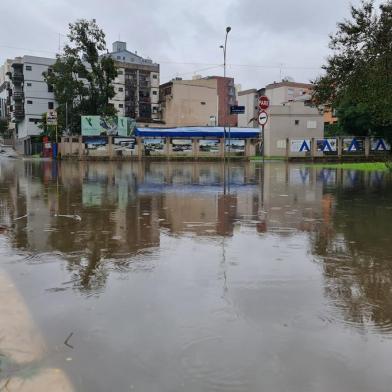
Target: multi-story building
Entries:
(27, 94)
(198, 102)
(285, 91)
(189, 102)
(136, 86)
(226, 98)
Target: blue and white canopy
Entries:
(201, 132)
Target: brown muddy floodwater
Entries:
(164, 283)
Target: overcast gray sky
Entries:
(269, 39)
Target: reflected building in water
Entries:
(101, 215)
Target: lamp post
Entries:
(228, 29)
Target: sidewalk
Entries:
(22, 346)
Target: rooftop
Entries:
(250, 91)
(288, 84)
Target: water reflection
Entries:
(104, 217)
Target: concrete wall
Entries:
(293, 121)
(73, 147)
(191, 103)
(249, 100)
(279, 94)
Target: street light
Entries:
(228, 29)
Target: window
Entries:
(28, 84)
(50, 105)
(29, 67)
(120, 105)
(120, 89)
(281, 144)
(296, 122)
(29, 102)
(154, 93)
(202, 103)
(119, 72)
(155, 76)
(312, 125)
(35, 120)
(50, 71)
(50, 88)
(118, 57)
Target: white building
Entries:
(27, 94)
(282, 92)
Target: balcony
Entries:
(18, 114)
(144, 99)
(144, 84)
(17, 78)
(18, 95)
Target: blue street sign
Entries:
(235, 109)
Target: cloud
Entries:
(269, 39)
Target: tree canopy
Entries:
(357, 79)
(82, 75)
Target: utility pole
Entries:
(228, 29)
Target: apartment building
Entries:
(26, 93)
(136, 86)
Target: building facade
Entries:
(282, 92)
(294, 120)
(189, 102)
(249, 99)
(136, 86)
(27, 94)
(226, 97)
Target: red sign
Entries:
(264, 102)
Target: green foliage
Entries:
(47, 130)
(332, 130)
(82, 77)
(357, 79)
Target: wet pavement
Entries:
(159, 277)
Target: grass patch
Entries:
(364, 166)
(271, 158)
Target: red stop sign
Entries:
(264, 102)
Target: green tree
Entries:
(82, 76)
(357, 79)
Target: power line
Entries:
(277, 66)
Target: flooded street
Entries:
(146, 276)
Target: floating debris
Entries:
(76, 217)
(21, 217)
